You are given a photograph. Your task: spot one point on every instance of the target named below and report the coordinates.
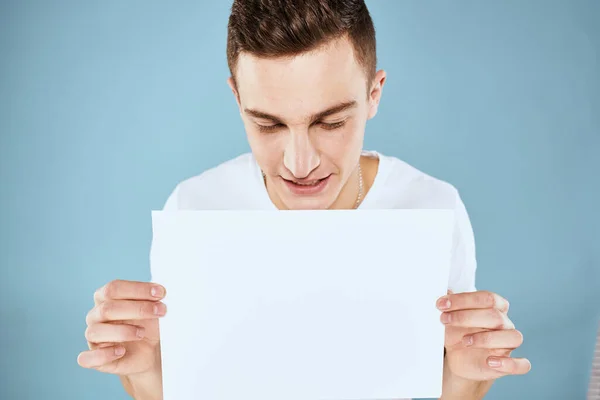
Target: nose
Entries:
(300, 156)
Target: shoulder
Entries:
(216, 187)
(409, 187)
(231, 171)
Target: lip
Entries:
(311, 190)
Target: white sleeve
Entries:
(172, 203)
(464, 263)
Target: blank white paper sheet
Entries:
(302, 305)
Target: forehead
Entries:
(303, 84)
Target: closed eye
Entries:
(332, 126)
(269, 128)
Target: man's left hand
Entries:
(480, 337)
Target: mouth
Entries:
(305, 188)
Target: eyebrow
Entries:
(322, 114)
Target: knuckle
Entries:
(144, 310)
(90, 334)
(485, 338)
(519, 338)
(488, 299)
(498, 319)
(106, 310)
(458, 317)
(132, 332)
(479, 298)
(111, 289)
(89, 315)
(125, 333)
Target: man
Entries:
(303, 74)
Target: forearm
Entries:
(457, 388)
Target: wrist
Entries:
(144, 386)
(455, 387)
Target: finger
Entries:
(99, 357)
(489, 318)
(504, 339)
(509, 366)
(472, 300)
(117, 310)
(129, 290)
(112, 333)
(94, 346)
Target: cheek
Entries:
(343, 143)
(342, 149)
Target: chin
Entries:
(295, 203)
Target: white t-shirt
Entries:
(238, 184)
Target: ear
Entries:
(231, 84)
(375, 93)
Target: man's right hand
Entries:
(123, 336)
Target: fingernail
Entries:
(443, 303)
(157, 291)
(159, 309)
(446, 317)
(119, 351)
(468, 340)
(494, 362)
(140, 333)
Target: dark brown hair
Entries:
(281, 28)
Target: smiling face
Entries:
(305, 118)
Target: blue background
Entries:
(106, 105)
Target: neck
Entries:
(347, 198)
(349, 193)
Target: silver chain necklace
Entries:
(360, 187)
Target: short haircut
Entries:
(284, 28)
